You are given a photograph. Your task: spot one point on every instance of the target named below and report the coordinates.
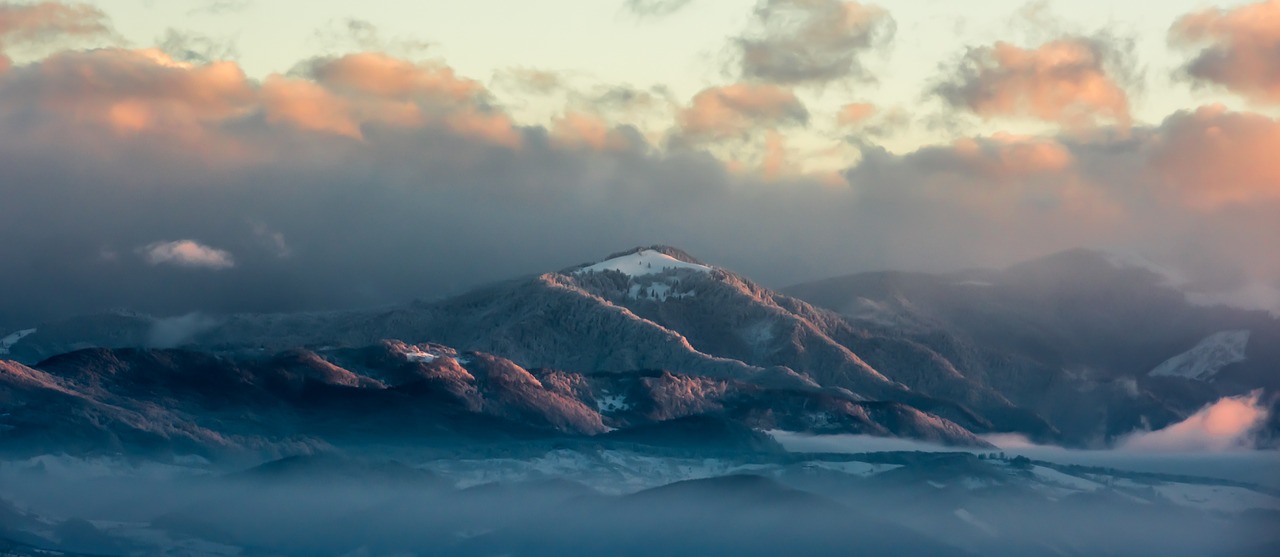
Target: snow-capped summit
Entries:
(1208, 357)
(642, 262)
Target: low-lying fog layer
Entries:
(648, 501)
(1253, 466)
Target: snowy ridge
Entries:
(641, 263)
(1207, 357)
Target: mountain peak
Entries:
(670, 251)
(645, 261)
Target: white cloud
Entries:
(187, 253)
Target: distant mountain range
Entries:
(1076, 349)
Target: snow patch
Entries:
(1220, 498)
(1203, 361)
(612, 403)
(8, 341)
(759, 333)
(974, 521)
(853, 467)
(415, 355)
(658, 291)
(641, 263)
(1060, 479)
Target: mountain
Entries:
(1075, 348)
(1097, 346)
(396, 395)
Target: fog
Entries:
(344, 507)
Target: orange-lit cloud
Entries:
(1211, 158)
(1224, 425)
(187, 253)
(1069, 81)
(379, 75)
(492, 127)
(1242, 48)
(42, 22)
(129, 91)
(578, 129)
(147, 93)
(307, 106)
(1006, 156)
(734, 110)
(855, 114)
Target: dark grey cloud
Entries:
(188, 46)
(797, 42)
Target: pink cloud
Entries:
(579, 129)
(128, 91)
(1242, 48)
(44, 21)
(1211, 158)
(187, 253)
(379, 75)
(1068, 81)
(492, 127)
(1224, 425)
(855, 114)
(307, 106)
(734, 110)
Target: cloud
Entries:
(855, 114)
(44, 22)
(124, 92)
(794, 42)
(220, 7)
(734, 110)
(1211, 158)
(1071, 81)
(171, 332)
(362, 36)
(528, 80)
(1228, 424)
(272, 240)
(380, 75)
(186, 253)
(186, 46)
(655, 8)
(1241, 48)
(864, 121)
(577, 129)
(308, 106)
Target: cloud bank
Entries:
(394, 179)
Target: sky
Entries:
(252, 155)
